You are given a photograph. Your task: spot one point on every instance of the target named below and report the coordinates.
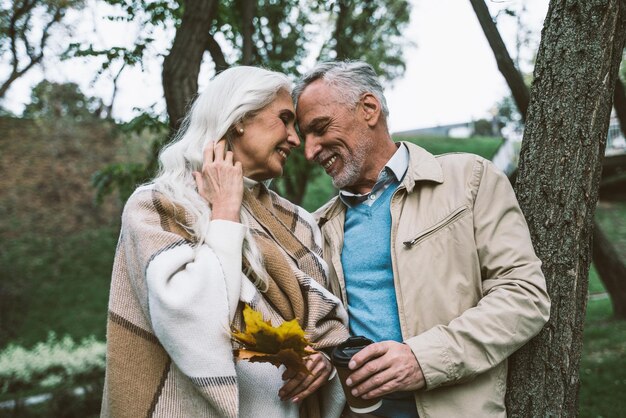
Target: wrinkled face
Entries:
(267, 139)
(334, 134)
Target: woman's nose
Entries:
(293, 139)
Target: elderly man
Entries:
(431, 255)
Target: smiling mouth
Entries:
(330, 162)
(282, 153)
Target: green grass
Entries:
(602, 369)
(595, 285)
(484, 146)
(65, 284)
(611, 215)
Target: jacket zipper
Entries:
(453, 217)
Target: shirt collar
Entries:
(397, 165)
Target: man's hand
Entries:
(299, 385)
(383, 368)
(221, 181)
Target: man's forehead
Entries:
(317, 92)
(315, 99)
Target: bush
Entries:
(71, 373)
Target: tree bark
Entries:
(247, 29)
(619, 103)
(506, 66)
(182, 65)
(557, 187)
(611, 269)
(607, 272)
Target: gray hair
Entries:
(351, 79)
(230, 97)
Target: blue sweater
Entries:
(366, 261)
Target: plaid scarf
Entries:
(287, 243)
(141, 378)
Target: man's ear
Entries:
(371, 108)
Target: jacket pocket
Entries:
(454, 216)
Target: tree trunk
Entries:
(182, 65)
(247, 29)
(505, 64)
(340, 27)
(607, 272)
(557, 187)
(619, 103)
(611, 269)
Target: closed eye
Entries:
(319, 126)
(287, 116)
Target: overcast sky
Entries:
(451, 75)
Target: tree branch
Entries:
(513, 77)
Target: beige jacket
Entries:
(469, 286)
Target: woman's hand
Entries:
(299, 385)
(221, 181)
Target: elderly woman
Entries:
(202, 240)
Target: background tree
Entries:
(21, 43)
(275, 34)
(619, 100)
(62, 100)
(611, 269)
(557, 187)
(505, 64)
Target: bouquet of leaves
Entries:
(264, 343)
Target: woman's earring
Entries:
(240, 131)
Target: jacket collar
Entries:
(423, 166)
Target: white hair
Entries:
(230, 97)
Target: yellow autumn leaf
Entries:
(285, 344)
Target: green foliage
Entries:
(611, 216)
(127, 56)
(125, 177)
(483, 127)
(66, 281)
(319, 190)
(61, 100)
(69, 374)
(51, 364)
(369, 31)
(484, 146)
(602, 372)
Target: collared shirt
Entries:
(393, 171)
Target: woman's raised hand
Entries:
(221, 181)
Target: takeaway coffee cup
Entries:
(340, 357)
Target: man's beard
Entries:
(352, 165)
